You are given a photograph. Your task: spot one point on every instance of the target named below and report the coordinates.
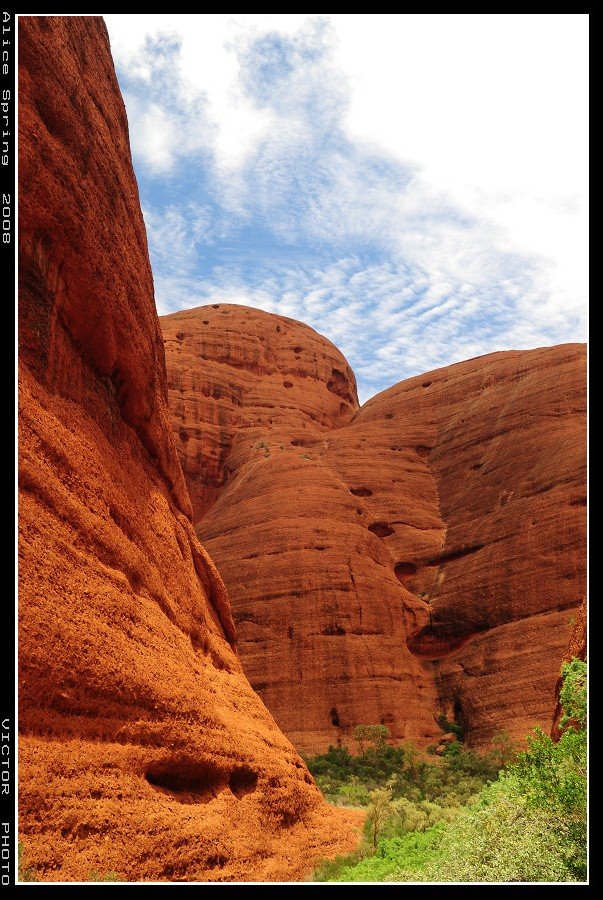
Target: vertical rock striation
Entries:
(143, 750)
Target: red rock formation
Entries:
(506, 443)
(143, 750)
(421, 554)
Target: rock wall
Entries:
(143, 750)
(423, 554)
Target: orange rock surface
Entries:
(420, 555)
(143, 750)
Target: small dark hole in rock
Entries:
(361, 492)
(185, 777)
(426, 384)
(404, 571)
(381, 529)
(243, 781)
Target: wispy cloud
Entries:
(257, 190)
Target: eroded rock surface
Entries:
(422, 554)
(143, 749)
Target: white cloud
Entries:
(427, 172)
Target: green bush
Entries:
(501, 839)
(449, 727)
(401, 858)
(440, 823)
(347, 779)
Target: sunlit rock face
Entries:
(424, 553)
(143, 750)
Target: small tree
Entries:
(380, 810)
(377, 735)
(504, 749)
(572, 695)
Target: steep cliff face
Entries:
(143, 750)
(319, 611)
(421, 554)
(503, 439)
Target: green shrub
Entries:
(572, 696)
(449, 727)
(501, 839)
(441, 823)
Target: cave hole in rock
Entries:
(190, 780)
(404, 571)
(381, 529)
(180, 336)
(297, 349)
(423, 450)
(243, 780)
(206, 321)
(334, 717)
(278, 328)
(288, 384)
(389, 415)
(426, 384)
(437, 639)
(361, 492)
(338, 385)
(183, 435)
(459, 715)
(215, 306)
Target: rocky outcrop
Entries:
(143, 749)
(492, 605)
(423, 554)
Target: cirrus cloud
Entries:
(266, 178)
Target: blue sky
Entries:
(413, 187)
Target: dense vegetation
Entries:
(503, 816)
